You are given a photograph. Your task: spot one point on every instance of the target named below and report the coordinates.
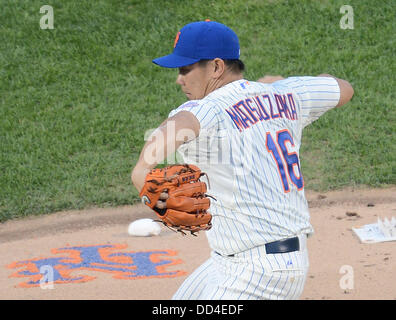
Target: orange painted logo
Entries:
(71, 262)
(176, 39)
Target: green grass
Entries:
(76, 101)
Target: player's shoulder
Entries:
(304, 81)
(188, 105)
(195, 106)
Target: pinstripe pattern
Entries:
(253, 204)
(251, 275)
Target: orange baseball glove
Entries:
(187, 202)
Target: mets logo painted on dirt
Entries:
(69, 266)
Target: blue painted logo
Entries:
(70, 265)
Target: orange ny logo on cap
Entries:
(176, 39)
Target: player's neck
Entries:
(222, 81)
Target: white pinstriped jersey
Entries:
(249, 145)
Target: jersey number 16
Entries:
(282, 156)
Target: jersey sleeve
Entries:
(316, 96)
(204, 112)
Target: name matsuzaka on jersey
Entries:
(261, 108)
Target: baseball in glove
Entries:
(186, 203)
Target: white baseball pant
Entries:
(249, 275)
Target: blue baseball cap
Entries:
(201, 40)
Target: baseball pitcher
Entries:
(245, 136)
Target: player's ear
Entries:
(218, 67)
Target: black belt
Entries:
(281, 246)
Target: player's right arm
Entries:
(346, 89)
(164, 141)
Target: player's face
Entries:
(193, 80)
